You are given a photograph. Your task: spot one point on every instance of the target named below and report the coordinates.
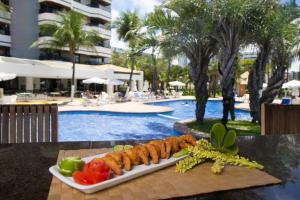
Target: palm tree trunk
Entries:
(228, 79)
(256, 79)
(168, 72)
(154, 75)
(131, 72)
(198, 72)
(73, 76)
(275, 84)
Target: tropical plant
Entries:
(282, 51)
(68, 34)
(3, 6)
(151, 41)
(128, 27)
(230, 19)
(262, 31)
(186, 25)
(119, 59)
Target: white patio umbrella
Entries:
(114, 82)
(6, 77)
(95, 80)
(291, 84)
(176, 83)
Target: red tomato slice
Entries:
(98, 166)
(93, 172)
(96, 177)
(81, 178)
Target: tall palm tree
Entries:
(186, 24)
(69, 34)
(151, 41)
(128, 27)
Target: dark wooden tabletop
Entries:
(24, 167)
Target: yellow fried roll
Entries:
(168, 148)
(144, 149)
(132, 154)
(161, 145)
(142, 155)
(113, 165)
(175, 144)
(117, 156)
(183, 145)
(126, 161)
(153, 153)
(188, 139)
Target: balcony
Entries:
(99, 51)
(98, 12)
(52, 17)
(5, 40)
(5, 17)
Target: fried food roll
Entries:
(142, 155)
(132, 154)
(113, 165)
(168, 145)
(188, 139)
(183, 145)
(117, 156)
(126, 161)
(175, 144)
(161, 145)
(153, 153)
(144, 149)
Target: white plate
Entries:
(137, 171)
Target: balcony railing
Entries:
(52, 17)
(99, 12)
(99, 50)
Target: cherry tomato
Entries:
(93, 172)
(97, 166)
(81, 178)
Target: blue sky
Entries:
(141, 6)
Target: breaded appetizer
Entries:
(143, 157)
(161, 146)
(153, 153)
(126, 161)
(132, 154)
(188, 139)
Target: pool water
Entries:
(108, 126)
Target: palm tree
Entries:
(186, 25)
(283, 44)
(128, 27)
(151, 41)
(3, 6)
(69, 33)
(230, 19)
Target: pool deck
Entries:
(128, 107)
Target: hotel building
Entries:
(39, 69)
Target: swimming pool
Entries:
(107, 126)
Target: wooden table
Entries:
(25, 175)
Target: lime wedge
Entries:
(181, 153)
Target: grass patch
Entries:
(242, 128)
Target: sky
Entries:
(141, 6)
